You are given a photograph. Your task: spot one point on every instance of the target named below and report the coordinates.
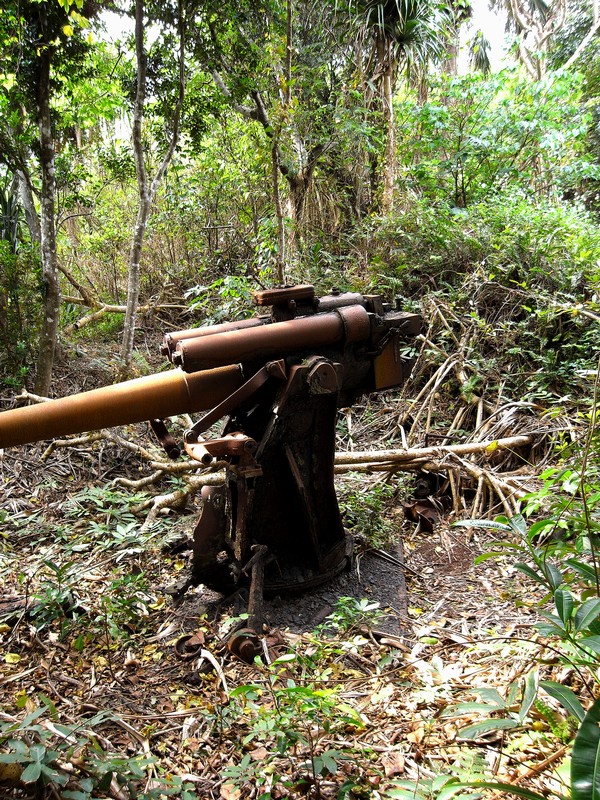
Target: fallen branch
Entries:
(456, 460)
(101, 309)
(437, 452)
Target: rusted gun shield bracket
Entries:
(282, 496)
(390, 368)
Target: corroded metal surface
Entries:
(278, 380)
(152, 397)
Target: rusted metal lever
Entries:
(165, 438)
(274, 369)
(230, 446)
(245, 642)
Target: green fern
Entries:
(563, 728)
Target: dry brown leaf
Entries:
(393, 763)
(416, 736)
(10, 774)
(230, 792)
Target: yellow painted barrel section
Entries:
(152, 397)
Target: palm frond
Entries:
(479, 53)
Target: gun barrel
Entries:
(152, 397)
(348, 324)
(171, 340)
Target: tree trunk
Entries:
(49, 332)
(450, 66)
(281, 241)
(133, 277)
(146, 190)
(387, 98)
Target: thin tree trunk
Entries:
(389, 174)
(146, 190)
(389, 166)
(133, 278)
(49, 332)
(450, 65)
(287, 97)
(281, 243)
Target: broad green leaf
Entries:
(492, 695)
(553, 575)
(33, 716)
(31, 772)
(585, 758)
(38, 751)
(585, 570)
(587, 613)
(529, 694)
(554, 620)
(467, 708)
(486, 524)
(284, 658)
(486, 556)
(527, 570)
(329, 762)
(518, 524)
(591, 642)
(514, 692)
(507, 788)
(10, 758)
(565, 696)
(540, 527)
(408, 792)
(548, 629)
(487, 726)
(453, 791)
(248, 689)
(563, 600)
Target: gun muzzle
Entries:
(165, 394)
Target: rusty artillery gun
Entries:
(278, 379)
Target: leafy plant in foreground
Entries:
(57, 598)
(350, 613)
(566, 567)
(67, 761)
(515, 707)
(363, 512)
(571, 583)
(293, 721)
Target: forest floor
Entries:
(411, 675)
(343, 704)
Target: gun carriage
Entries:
(278, 379)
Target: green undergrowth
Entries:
(554, 543)
(521, 242)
